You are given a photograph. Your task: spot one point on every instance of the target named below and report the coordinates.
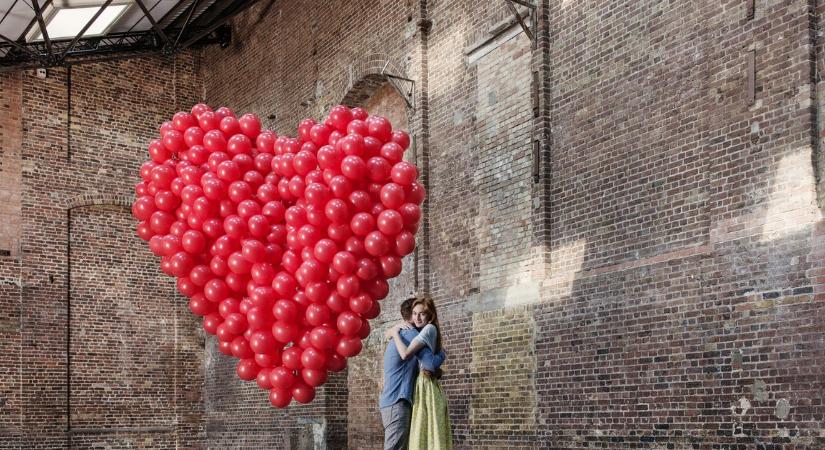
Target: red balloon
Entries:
(390, 266)
(262, 296)
(262, 342)
(373, 312)
(355, 246)
(304, 162)
(378, 169)
(193, 136)
(312, 358)
(250, 125)
(361, 201)
(236, 323)
(263, 378)
(282, 378)
(214, 141)
(319, 134)
(359, 113)
(193, 241)
(291, 358)
(303, 393)
(208, 121)
(225, 348)
(404, 243)
(238, 144)
(404, 173)
(348, 285)
(336, 302)
(280, 398)
(392, 195)
(144, 207)
(284, 331)
(401, 138)
(377, 289)
(376, 244)
(348, 323)
(415, 193)
(200, 275)
(340, 116)
(362, 224)
(158, 151)
(353, 167)
(330, 158)
(200, 306)
(361, 303)
(365, 328)
(229, 125)
(323, 337)
(349, 346)
(344, 262)
(182, 120)
(262, 273)
(173, 141)
(313, 377)
(286, 310)
(336, 362)
(317, 314)
(390, 222)
(268, 359)
(247, 369)
(380, 128)
(336, 211)
(317, 194)
(144, 231)
(211, 322)
(325, 250)
(357, 127)
(259, 318)
(317, 292)
(352, 144)
(265, 141)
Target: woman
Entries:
(430, 427)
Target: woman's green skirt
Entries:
(430, 427)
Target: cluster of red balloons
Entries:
(283, 245)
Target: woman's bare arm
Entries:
(403, 350)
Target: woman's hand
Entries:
(397, 329)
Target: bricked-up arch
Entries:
(379, 97)
(122, 339)
(100, 199)
(367, 77)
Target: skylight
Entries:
(67, 22)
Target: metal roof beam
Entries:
(85, 27)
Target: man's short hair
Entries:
(406, 308)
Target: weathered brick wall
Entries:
(11, 132)
(133, 371)
(690, 217)
(661, 281)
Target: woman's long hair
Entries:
(429, 306)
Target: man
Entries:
(399, 384)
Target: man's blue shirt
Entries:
(400, 375)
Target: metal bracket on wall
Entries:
(527, 31)
(408, 88)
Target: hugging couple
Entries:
(413, 405)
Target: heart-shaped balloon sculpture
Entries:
(284, 245)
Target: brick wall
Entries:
(10, 175)
(99, 350)
(652, 277)
(656, 279)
